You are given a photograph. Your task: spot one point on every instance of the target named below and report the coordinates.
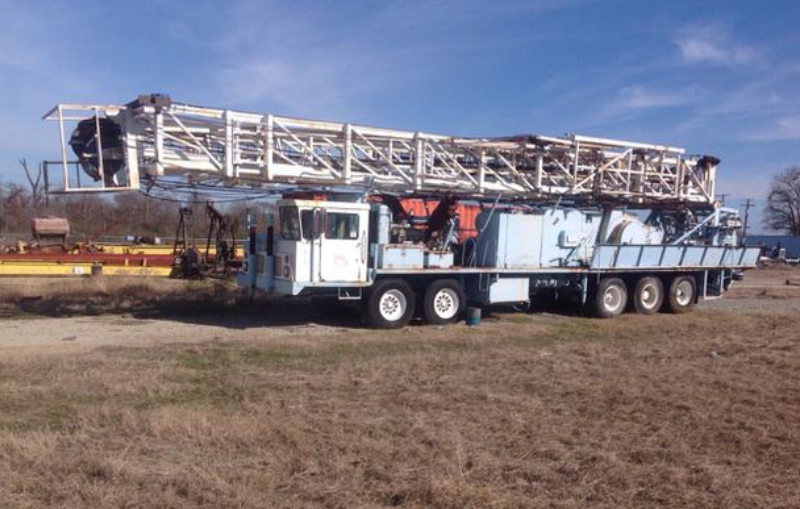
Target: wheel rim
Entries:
(392, 305)
(649, 296)
(612, 299)
(446, 303)
(684, 293)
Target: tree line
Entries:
(93, 216)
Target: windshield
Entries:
(297, 224)
(290, 223)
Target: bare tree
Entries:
(782, 211)
(35, 182)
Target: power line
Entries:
(215, 200)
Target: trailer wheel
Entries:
(610, 298)
(443, 302)
(682, 295)
(648, 295)
(389, 304)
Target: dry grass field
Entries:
(124, 395)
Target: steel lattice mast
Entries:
(153, 138)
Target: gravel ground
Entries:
(62, 315)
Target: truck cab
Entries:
(320, 243)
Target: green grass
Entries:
(211, 374)
(32, 415)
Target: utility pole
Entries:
(747, 204)
(722, 197)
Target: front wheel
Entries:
(443, 302)
(389, 304)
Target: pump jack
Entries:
(192, 263)
(223, 232)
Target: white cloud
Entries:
(307, 87)
(637, 97)
(790, 127)
(783, 129)
(633, 100)
(711, 44)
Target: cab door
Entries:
(299, 249)
(343, 256)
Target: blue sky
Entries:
(718, 77)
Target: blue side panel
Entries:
(713, 257)
(750, 257)
(665, 257)
(651, 257)
(692, 257)
(604, 257)
(727, 259)
(628, 256)
(672, 256)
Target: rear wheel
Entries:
(682, 295)
(648, 295)
(389, 304)
(443, 301)
(609, 298)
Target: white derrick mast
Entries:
(154, 138)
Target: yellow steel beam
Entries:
(152, 249)
(46, 268)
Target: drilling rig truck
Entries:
(615, 225)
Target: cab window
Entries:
(341, 226)
(307, 224)
(297, 224)
(290, 223)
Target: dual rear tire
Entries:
(610, 298)
(648, 296)
(682, 295)
(444, 301)
(392, 303)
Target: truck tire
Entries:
(610, 298)
(389, 304)
(648, 295)
(443, 302)
(682, 295)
